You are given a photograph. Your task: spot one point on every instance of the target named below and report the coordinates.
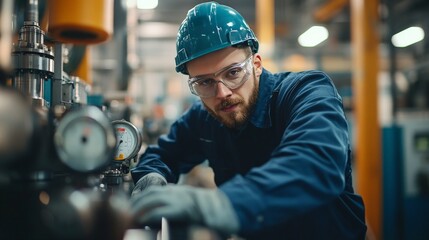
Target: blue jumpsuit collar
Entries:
(261, 115)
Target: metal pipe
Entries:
(32, 13)
(32, 60)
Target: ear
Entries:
(257, 64)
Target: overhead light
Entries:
(147, 4)
(313, 36)
(408, 36)
(157, 30)
(131, 3)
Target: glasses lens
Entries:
(203, 87)
(232, 77)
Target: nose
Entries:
(222, 91)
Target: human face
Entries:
(231, 106)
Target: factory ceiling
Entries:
(145, 39)
(292, 18)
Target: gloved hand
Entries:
(209, 207)
(151, 179)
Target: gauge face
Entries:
(128, 140)
(85, 139)
(84, 142)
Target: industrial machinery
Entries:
(415, 174)
(32, 60)
(57, 150)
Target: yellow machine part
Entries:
(80, 21)
(83, 71)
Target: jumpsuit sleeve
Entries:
(307, 168)
(176, 151)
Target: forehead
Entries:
(215, 61)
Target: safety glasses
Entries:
(232, 77)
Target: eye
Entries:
(234, 72)
(205, 82)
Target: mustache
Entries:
(228, 102)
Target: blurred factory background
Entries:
(87, 64)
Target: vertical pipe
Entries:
(56, 87)
(31, 58)
(365, 42)
(393, 204)
(32, 13)
(265, 20)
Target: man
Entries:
(278, 143)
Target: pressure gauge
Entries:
(85, 139)
(128, 140)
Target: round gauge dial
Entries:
(128, 140)
(85, 139)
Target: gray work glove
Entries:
(151, 179)
(209, 207)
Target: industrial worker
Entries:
(278, 144)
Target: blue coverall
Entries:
(287, 173)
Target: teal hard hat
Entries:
(209, 27)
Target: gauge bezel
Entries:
(135, 132)
(85, 113)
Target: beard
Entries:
(236, 120)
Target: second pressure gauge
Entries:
(128, 140)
